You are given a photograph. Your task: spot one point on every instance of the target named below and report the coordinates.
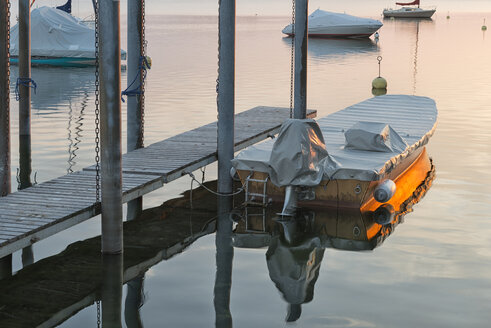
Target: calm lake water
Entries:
(433, 271)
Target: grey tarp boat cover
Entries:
(55, 33)
(385, 129)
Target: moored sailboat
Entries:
(409, 12)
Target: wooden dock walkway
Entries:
(38, 212)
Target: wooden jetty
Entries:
(38, 212)
(72, 280)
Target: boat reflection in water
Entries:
(338, 48)
(296, 245)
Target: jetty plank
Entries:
(38, 212)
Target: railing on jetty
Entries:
(38, 212)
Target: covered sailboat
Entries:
(57, 38)
(336, 25)
(409, 12)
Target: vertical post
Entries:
(110, 81)
(4, 99)
(224, 262)
(134, 103)
(301, 42)
(112, 290)
(226, 93)
(6, 261)
(25, 93)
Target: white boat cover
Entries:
(55, 33)
(410, 118)
(322, 19)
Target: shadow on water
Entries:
(79, 276)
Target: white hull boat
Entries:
(409, 12)
(326, 24)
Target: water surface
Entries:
(433, 271)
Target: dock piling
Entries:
(301, 43)
(110, 88)
(5, 179)
(134, 103)
(25, 92)
(226, 93)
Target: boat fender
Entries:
(384, 191)
(384, 214)
(234, 174)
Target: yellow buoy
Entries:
(379, 83)
(484, 27)
(379, 92)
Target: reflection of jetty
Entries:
(72, 279)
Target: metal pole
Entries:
(25, 93)
(226, 93)
(134, 103)
(112, 290)
(6, 261)
(4, 99)
(110, 80)
(301, 36)
(224, 263)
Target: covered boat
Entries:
(335, 25)
(350, 158)
(409, 12)
(57, 38)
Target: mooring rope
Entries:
(241, 189)
(136, 91)
(25, 81)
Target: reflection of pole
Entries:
(110, 81)
(224, 261)
(133, 303)
(134, 107)
(112, 290)
(226, 93)
(301, 37)
(415, 71)
(24, 94)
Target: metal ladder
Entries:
(250, 197)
